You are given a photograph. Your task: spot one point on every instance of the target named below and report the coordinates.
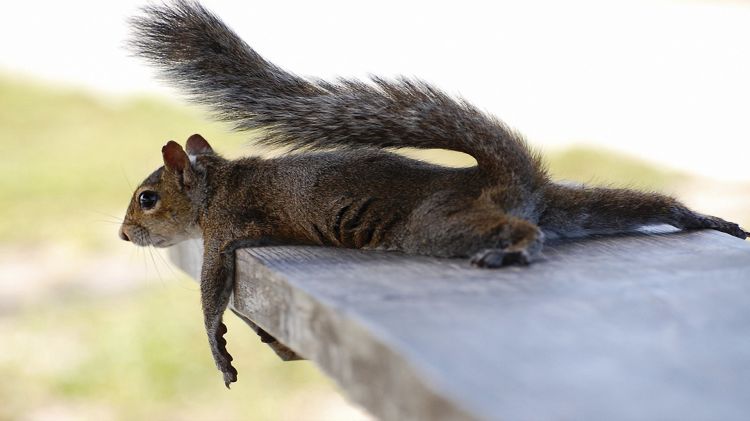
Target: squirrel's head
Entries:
(165, 207)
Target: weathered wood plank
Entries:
(632, 327)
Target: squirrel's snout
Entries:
(124, 235)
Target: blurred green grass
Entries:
(602, 167)
(142, 357)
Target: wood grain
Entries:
(644, 326)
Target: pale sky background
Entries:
(668, 81)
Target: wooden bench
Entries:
(649, 326)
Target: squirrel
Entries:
(344, 189)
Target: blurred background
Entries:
(648, 94)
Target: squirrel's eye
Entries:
(148, 199)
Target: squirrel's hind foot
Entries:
(699, 221)
(495, 258)
(492, 258)
(727, 227)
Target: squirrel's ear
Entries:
(197, 145)
(175, 158)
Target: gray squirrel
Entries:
(343, 189)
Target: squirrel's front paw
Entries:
(221, 356)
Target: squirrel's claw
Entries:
(230, 377)
(229, 372)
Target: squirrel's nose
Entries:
(123, 235)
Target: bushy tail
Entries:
(202, 56)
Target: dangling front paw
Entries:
(221, 356)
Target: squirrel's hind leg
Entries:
(480, 231)
(580, 211)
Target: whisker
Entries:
(125, 176)
(108, 215)
(145, 264)
(103, 221)
(156, 268)
(151, 250)
(167, 263)
(130, 259)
